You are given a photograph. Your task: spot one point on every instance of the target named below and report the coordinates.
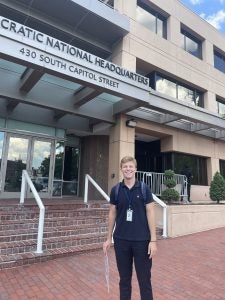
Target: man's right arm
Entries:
(112, 219)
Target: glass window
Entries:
(219, 61)
(58, 171)
(146, 19)
(197, 164)
(221, 108)
(16, 163)
(151, 19)
(175, 89)
(191, 44)
(222, 168)
(166, 87)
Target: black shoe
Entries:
(189, 200)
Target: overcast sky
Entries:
(212, 11)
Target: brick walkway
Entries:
(185, 268)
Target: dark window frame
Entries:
(198, 165)
(222, 167)
(157, 15)
(217, 54)
(152, 82)
(186, 34)
(218, 100)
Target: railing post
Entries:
(26, 179)
(23, 187)
(40, 230)
(86, 189)
(164, 222)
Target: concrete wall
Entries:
(187, 219)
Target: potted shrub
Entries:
(217, 188)
(169, 194)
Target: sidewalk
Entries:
(185, 268)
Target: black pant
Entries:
(126, 252)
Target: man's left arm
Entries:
(150, 212)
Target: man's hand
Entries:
(152, 249)
(106, 245)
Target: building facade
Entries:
(84, 83)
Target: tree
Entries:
(170, 194)
(217, 188)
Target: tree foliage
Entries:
(170, 194)
(217, 188)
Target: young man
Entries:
(135, 232)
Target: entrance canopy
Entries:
(48, 80)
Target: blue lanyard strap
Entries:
(128, 197)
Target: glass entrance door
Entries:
(41, 165)
(26, 153)
(16, 161)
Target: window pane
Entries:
(16, 163)
(221, 109)
(192, 47)
(186, 94)
(166, 87)
(160, 27)
(199, 99)
(222, 167)
(197, 164)
(146, 19)
(219, 62)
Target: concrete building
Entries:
(84, 83)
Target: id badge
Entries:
(129, 215)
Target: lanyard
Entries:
(128, 197)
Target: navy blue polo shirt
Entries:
(138, 229)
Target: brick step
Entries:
(27, 234)
(16, 247)
(54, 206)
(50, 222)
(16, 260)
(21, 215)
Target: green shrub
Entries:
(217, 188)
(170, 183)
(170, 195)
(169, 174)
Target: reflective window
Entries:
(146, 19)
(191, 44)
(151, 19)
(71, 170)
(16, 162)
(58, 171)
(222, 168)
(175, 89)
(219, 61)
(166, 87)
(197, 164)
(221, 108)
(41, 165)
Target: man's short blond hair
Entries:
(126, 159)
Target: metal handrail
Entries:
(155, 198)
(26, 179)
(164, 206)
(88, 178)
(156, 182)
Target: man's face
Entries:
(128, 169)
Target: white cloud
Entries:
(216, 19)
(195, 2)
